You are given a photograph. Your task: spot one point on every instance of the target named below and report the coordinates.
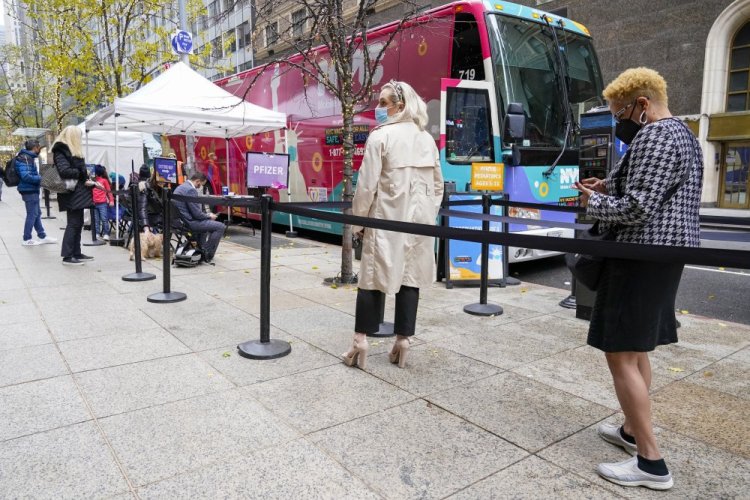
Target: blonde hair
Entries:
(414, 107)
(71, 137)
(635, 82)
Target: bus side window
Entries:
(468, 129)
(466, 61)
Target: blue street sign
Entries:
(182, 42)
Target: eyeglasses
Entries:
(618, 116)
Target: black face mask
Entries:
(626, 131)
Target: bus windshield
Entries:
(526, 72)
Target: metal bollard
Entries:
(265, 348)
(138, 275)
(483, 308)
(166, 296)
(46, 204)
(386, 327)
(94, 242)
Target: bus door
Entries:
(469, 134)
(469, 128)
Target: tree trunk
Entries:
(347, 114)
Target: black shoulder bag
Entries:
(587, 269)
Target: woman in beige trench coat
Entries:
(399, 180)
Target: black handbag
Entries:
(587, 269)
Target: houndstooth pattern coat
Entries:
(637, 187)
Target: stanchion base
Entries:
(291, 234)
(49, 217)
(483, 309)
(386, 330)
(569, 302)
(511, 281)
(166, 297)
(94, 243)
(116, 242)
(139, 277)
(255, 349)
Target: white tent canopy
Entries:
(180, 102)
(99, 148)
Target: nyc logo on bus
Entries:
(568, 177)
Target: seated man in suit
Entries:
(209, 231)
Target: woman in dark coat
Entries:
(68, 158)
(149, 200)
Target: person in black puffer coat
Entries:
(149, 200)
(68, 158)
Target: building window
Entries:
(231, 40)
(244, 36)
(298, 22)
(213, 10)
(216, 48)
(272, 33)
(265, 7)
(246, 66)
(738, 89)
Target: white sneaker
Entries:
(105, 237)
(627, 473)
(31, 243)
(47, 240)
(611, 434)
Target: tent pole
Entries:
(117, 240)
(291, 233)
(229, 186)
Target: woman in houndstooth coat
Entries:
(652, 196)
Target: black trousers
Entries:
(71, 243)
(370, 303)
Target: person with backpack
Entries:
(29, 185)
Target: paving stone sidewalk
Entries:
(104, 395)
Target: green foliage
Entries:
(83, 54)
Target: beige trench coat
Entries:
(399, 180)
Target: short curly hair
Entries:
(636, 82)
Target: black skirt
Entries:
(634, 308)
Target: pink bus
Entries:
(472, 62)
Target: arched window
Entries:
(738, 91)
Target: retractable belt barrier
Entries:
(611, 249)
(267, 348)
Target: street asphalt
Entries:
(722, 293)
(106, 395)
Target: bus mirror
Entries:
(515, 123)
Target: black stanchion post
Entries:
(385, 328)
(138, 275)
(94, 242)
(483, 308)
(570, 301)
(46, 204)
(166, 296)
(265, 348)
